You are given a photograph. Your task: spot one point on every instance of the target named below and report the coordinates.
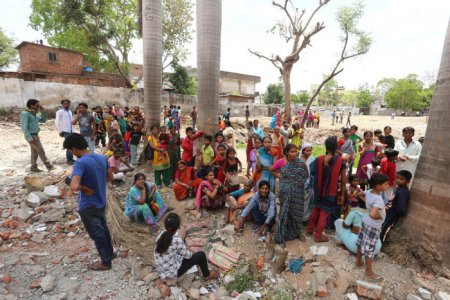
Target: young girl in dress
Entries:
(232, 166)
(367, 151)
(352, 199)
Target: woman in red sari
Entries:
(185, 181)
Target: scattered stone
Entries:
(426, 284)
(228, 278)
(35, 284)
(351, 296)
(48, 283)
(425, 294)
(177, 293)
(368, 290)
(150, 276)
(319, 284)
(6, 278)
(442, 296)
(36, 199)
(22, 214)
(164, 289)
(186, 281)
(228, 230)
(412, 297)
(154, 293)
(52, 191)
(53, 215)
(193, 293)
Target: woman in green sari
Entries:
(174, 151)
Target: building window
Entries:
(52, 57)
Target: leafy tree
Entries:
(349, 98)
(406, 93)
(364, 97)
(274, 94)
(295, 98)
(297, 31)
(303, 97)
(383, 86)
(182, 82)
(329, 95)
(105, 29)
(8, 54)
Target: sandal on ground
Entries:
(213, 275)
(98, 266)
(322, 239)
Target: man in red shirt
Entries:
(188, 146)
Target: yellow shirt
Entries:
(296, 139)
(207, 154)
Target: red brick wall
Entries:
(34, 58)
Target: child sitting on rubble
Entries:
(371, 223)
(119, 165)
(238, 200)
(173, 258)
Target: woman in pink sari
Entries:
(210, 192)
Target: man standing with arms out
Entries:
(86, 121)
(90, 173)
(64, 125)
(193, 116)
(247, 115)
(29, 121)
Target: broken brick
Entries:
(368, 290)
(6, 278)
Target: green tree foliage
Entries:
(182, 82)
(104, 29)
(364, 97)
(408, 94)
(329, 95)
(8, 54)
(300, 98)
(349, 98)
(274, 94)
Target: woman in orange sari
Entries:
(278, 140)
(184, 181)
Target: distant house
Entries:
(38, 58)
(39, 62)
(235, 86)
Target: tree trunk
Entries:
(152, 36)
(209, 22)
(287, 92)
(427, 223)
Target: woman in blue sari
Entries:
(265, 157)
(144, 203)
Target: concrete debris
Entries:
(36, 199)
(368, 290)
(48, 283)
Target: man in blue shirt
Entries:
(90, 173)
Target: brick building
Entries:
(38, 58)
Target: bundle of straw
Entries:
(127, 234)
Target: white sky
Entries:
(408, 38)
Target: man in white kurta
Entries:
(409, 152)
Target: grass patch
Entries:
(4, 112)
(319, 150)
(243, 282)
(241, 146)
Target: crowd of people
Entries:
(284, 184)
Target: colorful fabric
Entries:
(174, 153)
(207, 154)
(293, 177)
(326, 180)
(365, 159)
(368, 238)
(137, 211)
(296, 138)
(223, 257)
(202, 200)
(186, 177)
(266, 159)
(160, 161)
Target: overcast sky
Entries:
(408, 37)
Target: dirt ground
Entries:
(65, 255)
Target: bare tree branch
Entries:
(275, 61)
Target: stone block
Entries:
(368, 290)
(319, 284)
(36, 199)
